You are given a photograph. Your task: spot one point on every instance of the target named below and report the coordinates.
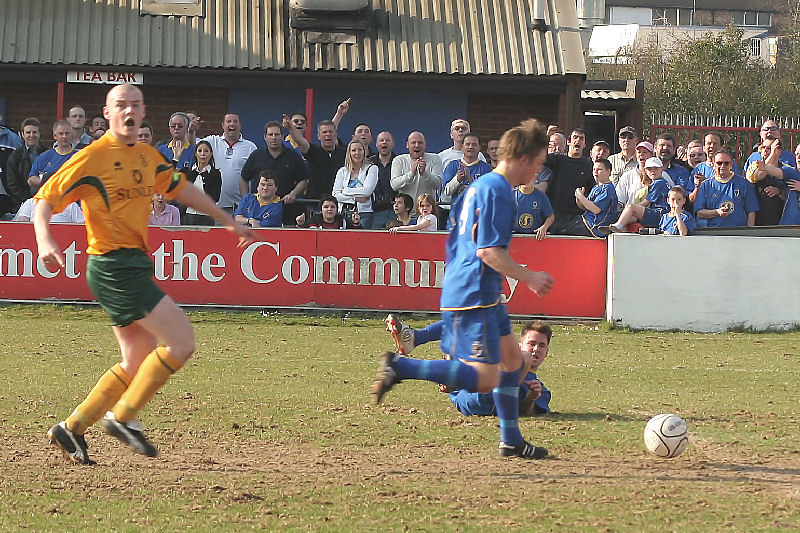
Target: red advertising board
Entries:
(308, 268)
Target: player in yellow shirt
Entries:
(115, 178)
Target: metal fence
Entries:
(739, 133)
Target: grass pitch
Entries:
(270, 426)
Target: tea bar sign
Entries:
(94, 76)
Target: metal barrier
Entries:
(739, 133)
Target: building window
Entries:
(755, 47)
(751, 18)
(672, 16)
(181, 8)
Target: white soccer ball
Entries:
(666, 435)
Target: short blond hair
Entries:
(459, 121)
(528, 138)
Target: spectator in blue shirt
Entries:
(262, 209)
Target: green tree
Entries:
(710, 75)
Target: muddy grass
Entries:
(230, 484)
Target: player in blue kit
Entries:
(534, 398)
(727, 199)
(485, 356)
(534, 212)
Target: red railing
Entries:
(739, 134)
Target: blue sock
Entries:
(506, 404)
(454, 374)
(431, 333)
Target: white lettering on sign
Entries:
(331, 270)
(19, 263)
(113, 78)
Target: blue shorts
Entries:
(651, 217)
(474, 334)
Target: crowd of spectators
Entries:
(341, 182)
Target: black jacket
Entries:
(212, 181)
(19, 167)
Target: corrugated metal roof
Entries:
(403, 36)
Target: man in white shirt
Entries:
(231, 151)
(417, 172)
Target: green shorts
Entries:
(122, 282)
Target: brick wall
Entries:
(492, 114)
(25, 99)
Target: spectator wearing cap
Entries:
(649, 202)
(600, 150)
(633, 179)
(626, 159)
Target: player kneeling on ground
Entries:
(534, 398)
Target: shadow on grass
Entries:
(711, 472)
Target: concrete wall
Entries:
(703, 283)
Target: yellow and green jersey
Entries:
(115, 183)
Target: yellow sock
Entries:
(154, 371)
(103, 396)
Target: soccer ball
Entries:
(665, 435)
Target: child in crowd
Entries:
(534, 212)
(653, 203)
(601, 204)
(328, 217)
(427, 220)
(677, 221)
(402, 206)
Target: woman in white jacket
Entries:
(355, 182)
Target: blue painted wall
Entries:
(382, 105)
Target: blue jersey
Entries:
(669, 224)
(706, 169)
(482, 217)
(475, 170)
(787, 158)
(268, 215)
(49, 161)
(657, 194)
(482, 403)
(680, 176)
(737, 194)
(791, 209)
(532, 210)
(604, 196)
(187, 156)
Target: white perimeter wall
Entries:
(703, 283)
